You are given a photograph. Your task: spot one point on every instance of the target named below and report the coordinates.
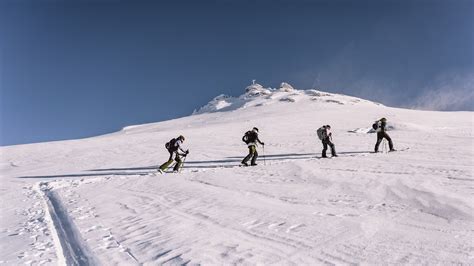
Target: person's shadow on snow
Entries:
(231, 161)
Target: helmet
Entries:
(383, 119)
(181, 137)
(328, 126)
(255, 129)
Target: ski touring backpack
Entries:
(170, 145)
(322, 134)
(246, 137)
(375, 125)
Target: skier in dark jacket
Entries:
(251, 139)
(380, 127)
(174, 148)
(325, 135)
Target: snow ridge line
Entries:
(70, 247)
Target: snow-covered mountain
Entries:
(257, 95)
(97, 201)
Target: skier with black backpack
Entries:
(325, 135)
(174, 148)
(380, 126)
(251, 139)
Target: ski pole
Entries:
(182, 165)
(264, 161)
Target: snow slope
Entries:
(97, 200)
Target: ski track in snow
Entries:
(74, 251)
(104, 204)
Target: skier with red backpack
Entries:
(325, 135)
(251, 139)
(174, 148)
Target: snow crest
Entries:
(258, 95)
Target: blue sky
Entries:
(78, 68)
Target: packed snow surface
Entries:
(100, 201)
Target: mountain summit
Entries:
(258, 95)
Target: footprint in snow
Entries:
(254, 223)
(294, 227)
(336, 215)
(275, 226)
(95, 227)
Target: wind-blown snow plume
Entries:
(451, 92)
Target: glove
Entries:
(263, 143)
(187, 152)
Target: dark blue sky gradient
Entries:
(72, 69)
